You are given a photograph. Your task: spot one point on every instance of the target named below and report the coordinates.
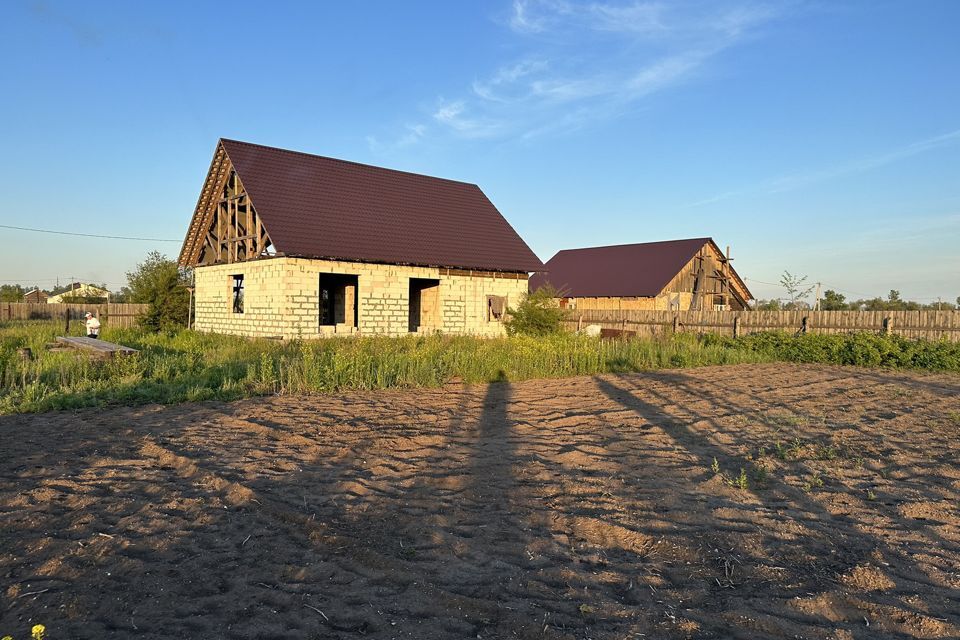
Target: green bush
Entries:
(857, 349)
(159, 282)
(538, 314)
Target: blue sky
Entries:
(822, 138)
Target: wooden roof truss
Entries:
(225, 227)
(713, 275)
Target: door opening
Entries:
(424, 305)
(338, 300)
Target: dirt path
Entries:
(608, 507)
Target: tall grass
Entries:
(189, 366)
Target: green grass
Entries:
(188, 366)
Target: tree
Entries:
(767, 305)
(121, 296)
(833, 301)
(797, 290)
(159, 282)
(11, 293)
(538, 314)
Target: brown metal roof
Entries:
(320, 207)
(626, 270)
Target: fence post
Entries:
(887, 326)
(803, 325)
(676, 323)
(736, 326)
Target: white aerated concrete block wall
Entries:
(281, 298)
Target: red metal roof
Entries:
(625, 270)
(320, 207)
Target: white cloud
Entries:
(640, 17)
(592, 61)
(507, 76)
(535, 16)
(664, 73)
(453, 115)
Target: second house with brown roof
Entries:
(291, 245)
(676, 275)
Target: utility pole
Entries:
(939, 302)
(817, 306)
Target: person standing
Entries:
(93, 326)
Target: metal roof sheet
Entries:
(625, 270)
(319, 207)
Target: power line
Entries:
(33, 281)
(772, 284)
(86, 235)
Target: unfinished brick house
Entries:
(677, 275)
(291, 245)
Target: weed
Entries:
(780, 450)
(741, 480)
(715, 467)
(796, 449)
(828, 452)
(813, 482)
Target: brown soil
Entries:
(579, 508)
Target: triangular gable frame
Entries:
(226, 227)
(722, 271)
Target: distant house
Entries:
(674, 275)
(290, 245)
(35, 296)
(80, 290)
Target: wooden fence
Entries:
(112, 315)
(932, 325)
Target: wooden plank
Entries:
(100, 347)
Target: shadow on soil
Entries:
(548, 509)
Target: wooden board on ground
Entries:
(94, 346)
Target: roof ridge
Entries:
(638, 244)
(350, 162)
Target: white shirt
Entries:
(93, 326)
